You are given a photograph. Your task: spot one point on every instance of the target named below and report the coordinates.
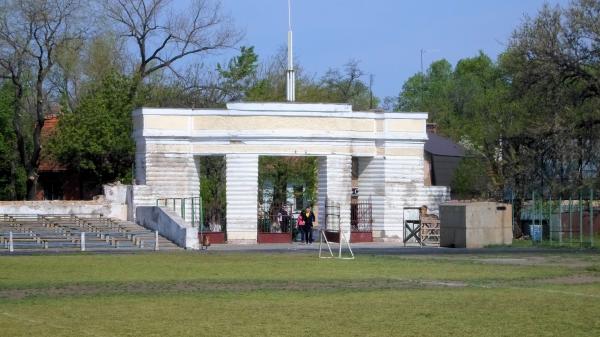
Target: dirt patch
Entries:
(556, 261)
(573, 279)
(204, 286)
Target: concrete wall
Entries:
(169, 225)
(334, 185)
(475, 225)
(118, 211)
(112, 204)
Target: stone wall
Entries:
(169, 225)
(112, 204)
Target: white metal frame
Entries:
(343, 239)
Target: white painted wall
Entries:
(371, 184)
(242, 197)
(335, 184)
(118, 211)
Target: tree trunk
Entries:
(32, 165)
(13, 181)
(32, 180)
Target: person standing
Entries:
(308, 218)
(300, 226)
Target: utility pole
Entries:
(290, 73)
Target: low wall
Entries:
(169, 225)
(112, 210)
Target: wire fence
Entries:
(572, 221)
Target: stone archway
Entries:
(390, 148)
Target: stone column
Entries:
(335, 184)
(403, 188)
(172, 175)
(371, 184)
(242, 197)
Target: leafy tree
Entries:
(347, 87)
(12, 175)
(553, 62)
(31, 33)
(469, 103)
(213, 189)
(95, 139)
(203, 87)
(283, 170)
(336, 86)
(238, 74)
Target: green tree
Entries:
(213, 189)
(31, 34)
(280, 171)
(12, 175)
(95, 139)
(553, 62)
(470, 105)
(335, 86)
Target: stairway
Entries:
(64, 232)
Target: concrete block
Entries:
(475, 225)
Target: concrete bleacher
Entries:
(64, 232)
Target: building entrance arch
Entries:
(389, 148)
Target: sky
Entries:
(385, 36)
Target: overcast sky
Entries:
(386, 36)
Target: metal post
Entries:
(341, 239)
(201, 210)
(580, 219)
(550, 209)
(560, 232)
(82, 241)
(591, 217)
(193, 214)
(570, 220)
(541, 217)
(532, 215)
(183, 208)
(156, 240)
(512, 210)
(201, 222)
(11, 246)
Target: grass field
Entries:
(243, 294)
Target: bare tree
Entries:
(30, 33)
(163, 37)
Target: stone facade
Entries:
(389, 148)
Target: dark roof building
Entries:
(442, 156)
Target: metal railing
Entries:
(276, 218)
(190, 209)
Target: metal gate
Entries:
(361, 215)
(275, 223)
(361, 220)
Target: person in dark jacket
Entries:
(309, 218)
